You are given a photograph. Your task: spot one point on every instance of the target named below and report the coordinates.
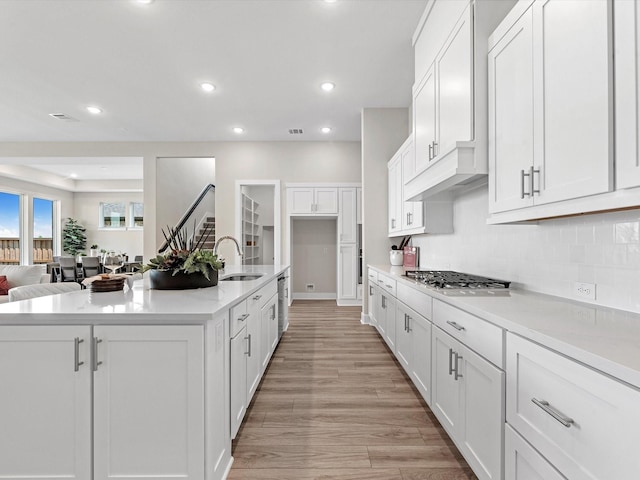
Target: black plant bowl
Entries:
(166, 280)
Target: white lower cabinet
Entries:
(238, 382)
(251, 348)
(413, 347)
(583, 422)
(269, 339)
(372, 305)
(468, 400)
(148, 402)
(146, 384)
(523, 462)
(347, 271)
(45, 407)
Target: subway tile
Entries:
(627, 232)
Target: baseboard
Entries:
(228, 469)
(348, 303)
(314, 296)
(364, 319)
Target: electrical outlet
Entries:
(310, 287)
(584, 290)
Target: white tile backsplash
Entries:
(547, 257)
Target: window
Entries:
(112, 215)
(42, 230)
(136, 215)
(9, 228)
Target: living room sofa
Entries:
(19, 275)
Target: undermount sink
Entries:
(241, 277)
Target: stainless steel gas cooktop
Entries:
(457, 283)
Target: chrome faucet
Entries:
(219, 241)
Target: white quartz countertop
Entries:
(139, 305)
(603, 338)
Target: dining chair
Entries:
(68, 269)
(90, 266)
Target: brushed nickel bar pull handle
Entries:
(431, 151)
(410, 218)
(532, 171)
(451, 361)
(435, 152)
(370, 290)
(408, 324)
(456, 373)
(248, 338)
(76, 353)
(563, 419)
(522, 192)
(96, 363)
(257, 297)
(405, 322)
(273, 311)
(243, 317)
(384, 301)
(455, 325)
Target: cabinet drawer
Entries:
(387, 283)
(599, 437)
(479, 335)
(373, 276)
(522, 462)
(418, 301)
(238, 318)
(261, 297)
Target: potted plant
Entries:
(186, 265)
(93, 250)
(74, 239)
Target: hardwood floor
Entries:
(335, 405)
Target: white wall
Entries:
(87, 212)
(384, 130)
(548, 257)
(179, 181)
(314, 254)
(287, 161)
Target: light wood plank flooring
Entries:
(334, 404)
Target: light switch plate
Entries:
(584, 290)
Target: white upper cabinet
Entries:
(627, 85)
(312, 200)
(511, 116)
(450, 97)
(550, 117)
(347, 218)
(408, 218)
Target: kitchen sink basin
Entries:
(241, 277)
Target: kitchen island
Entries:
(135, 383)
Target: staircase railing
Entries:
(185, 218)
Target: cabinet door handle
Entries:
(248, 338)
(370, 290)
(393, 223)
(522, 192)
(76, 353)
(243, 317)
(455, 325)
(405, 322)
(96, 363)
(557, 415)
(257, 297)
(435, 150)
(431, 151)
(451, 352)
(286, 292)
(384, 301)
(381, 282)
(273, 311)
(456, 372)
(410, 218)
(408, 324)
(532, 188)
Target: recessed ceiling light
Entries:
(208, 87)
(328, 86)
(330, 1)
(73, 175)
(238, 129)
(94, 110)
(144, 2)
(325, 129)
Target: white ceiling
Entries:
(80, 168)
(142, 64)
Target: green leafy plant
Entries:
(74, 240)
(185, 253)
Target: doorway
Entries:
(258, 221)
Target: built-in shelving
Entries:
(251, 235)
